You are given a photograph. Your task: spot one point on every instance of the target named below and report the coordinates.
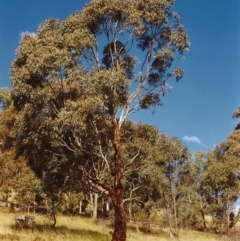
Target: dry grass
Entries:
(85, 229)
(67, 229)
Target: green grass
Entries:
(85, 229)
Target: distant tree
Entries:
(76, 82)
(221, 190)
(173, 173)
(197, 201)
(228, 156)
(140, 143)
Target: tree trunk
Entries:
(204, 221)
(80, 207)
(203, 215)
(120, 227)
(228, 220)
(148, 225)
(130, 212)
(91, 203)
(169, 220)
(53, 212)
(54, 220)
(95, 205)
(107, 206)
(175, 216)
(168, 210)
(6, 200)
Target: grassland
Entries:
(85, 229)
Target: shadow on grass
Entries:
(12, 237)
(154, 231)
(61, 231)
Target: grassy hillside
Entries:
(84, 229)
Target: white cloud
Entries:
(192, 139)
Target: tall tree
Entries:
(81, 78)
(221, 189)
(228, 155)
(140, 143)
(197, 195)
(173, 172)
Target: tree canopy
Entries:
(76, 81)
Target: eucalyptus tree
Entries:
(172, 170)
(229, 149)
(159, 177)
(75, 82)
(140, 143)
(198, 208)
(221, 189)
(228, 158)
(18, 182)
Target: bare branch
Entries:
(96, 57)
(132, 160)
(134, 169)
(63, 143)
(130, 199)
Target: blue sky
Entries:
(198, 109)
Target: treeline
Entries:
(160, 178)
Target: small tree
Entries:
(81, 78)
(17, 180)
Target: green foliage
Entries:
(225, 178)
(5, 98)
(70, 205)
(18, 182)
(76, 82)
(216, 191)
(74, 85)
